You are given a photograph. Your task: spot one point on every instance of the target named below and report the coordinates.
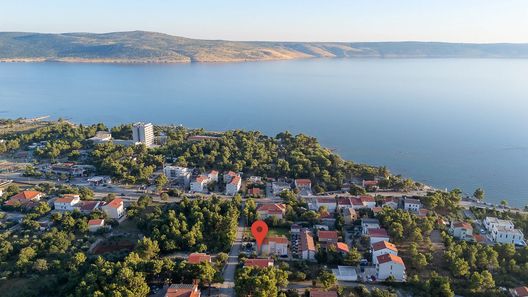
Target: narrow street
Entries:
(227, 288)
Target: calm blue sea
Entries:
(446, 122)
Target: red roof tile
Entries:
(115, 203)
(327, 235)
(521, 291)
(377, 232)
(390, 258)
(262, 263)
(303, 182)
(276, 239)
(28, 195)
(197, 258)
(380, 245)
(95, 222)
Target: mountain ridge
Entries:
(154, 47)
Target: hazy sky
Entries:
(296, 20)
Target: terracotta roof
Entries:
(28, 195)
(303, 182)
(464, 225)
(367, 199)
(342, 247)
(95, 222)
(65, 199)
(307, 242)
(276, 239)
(377, 232)
(115, 203)
(370, 182)
(390, 258)
(479, 238)
(321, 293)
(377, 209)
(390, 199)
(231, 173)
(20, 201)
(213, 172)
(235, 180)
(272, 208)
(327, 235)
(262, 263)
(183, 290)
(201, 178)
(356, 201)
(254, 191)
(89, 205)
(326, 200)
(197, 258)
(521, 291)
(344, 201)
(381, 245)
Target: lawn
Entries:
(271, 232)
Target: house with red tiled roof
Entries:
(329, 202)
(391, 202)
(461, 230)
(114, 209)
(341, 247)
(390, 265)
(381, 248)
(24, 198)
(519, 292)
(276, 210)
(228, 176)
(370, 183)
(368, 201)
(261, 263)
(95, 224)
(322, 293)
(87, 207)
(275, 245)
(67, 202)
(197, 258)
(356, 203)
(307, 245)
(254, 192)
(183, 290)
(327, 237)
(377, 234)
(233, 186)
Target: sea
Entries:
(450, 123)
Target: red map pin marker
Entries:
(259, 229)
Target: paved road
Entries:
(227, 288)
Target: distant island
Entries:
(152, 47)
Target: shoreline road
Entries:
(227, 289)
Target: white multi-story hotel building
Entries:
(143, 133)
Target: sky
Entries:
(482, 21)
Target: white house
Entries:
(390, 202)
(410, 204)
(381, 248)
(461, 230)
(233, 186)
(95, 224)
(369, 224)
(277, 210)
(307, 246)
(114, 209)
(180, 174)
(377, 235)
(212, 175)
(328, 202)
(390, 265)
(503, 231)
(199, 184)
(368, 201)
(67, 203)
(228, 176)
(304, 186)
(275, 246)
(345, 273)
